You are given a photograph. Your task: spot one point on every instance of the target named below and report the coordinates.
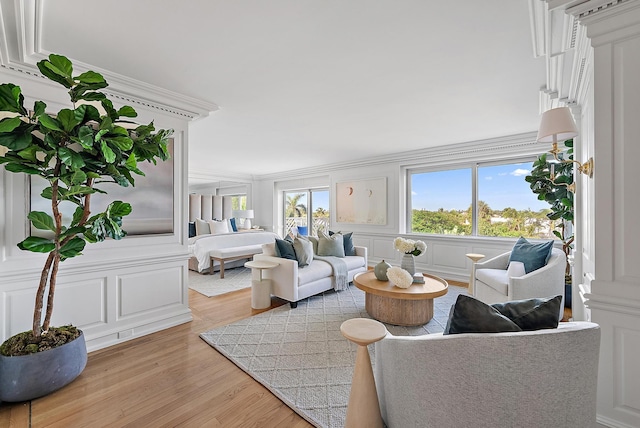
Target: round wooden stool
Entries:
(363, 409)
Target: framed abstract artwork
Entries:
(151, 199)
(362, 201)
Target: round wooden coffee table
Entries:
(400, 306)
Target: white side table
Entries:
(474, 259)
(260, 287)
(363, 409)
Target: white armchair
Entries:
(493, 283)
(543, 379)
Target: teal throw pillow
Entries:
(347, 240)
(532, 314)
(331, 245)
(284, 249)
(469, 315)
(304, 251)
(533, 256)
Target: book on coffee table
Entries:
(418, 278)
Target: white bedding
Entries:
(201, 245)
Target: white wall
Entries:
(600, 66)
(118, 289)
(445, 255)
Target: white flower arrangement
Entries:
(399, 277)
(409, 246)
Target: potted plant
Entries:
(74, 150)
(553, 183)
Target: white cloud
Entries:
(414, 193)
(520, 172)
(488, 177)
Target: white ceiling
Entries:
(305, 83)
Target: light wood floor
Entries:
(167, 379)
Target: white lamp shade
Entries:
(557, 122)
(243, 213)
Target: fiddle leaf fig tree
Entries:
(556, 193)
(74, 150)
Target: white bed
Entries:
(200, 246)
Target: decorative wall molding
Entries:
(21, 49)
(525, 144)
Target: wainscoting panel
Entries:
(144, 292)
(448, 256)
(19, 302)
(627, 344)
(383, 250)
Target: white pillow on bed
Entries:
(218, 227)
(202, 227)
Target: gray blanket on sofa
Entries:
(340, 271)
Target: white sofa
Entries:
(293, 284)
(543, 378)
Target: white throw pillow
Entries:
(202, 227)
(218, 227)
(269, 249)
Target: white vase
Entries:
(408, 263)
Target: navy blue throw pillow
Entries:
(192, 229)
(285, 249)
(347, 242)
(469, 315)
(233, 224)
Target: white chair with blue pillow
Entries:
(529, 270)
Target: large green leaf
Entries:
(127, 111)
(85, 135)
(16, 140)
(70, 157)
(69, 119)
(37, 245)
(72, 248)
(29, 153)
(42, 220)
(77, 216)
(109, 155)
(53, 72)
(18, 167)
(78, 177)
(49, 122)
(39, 107)
(119, 209)
(91, 77)
(11, 99)
(123, 143)
(9, 124)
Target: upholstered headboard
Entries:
(208, 207)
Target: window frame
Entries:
(467, 164)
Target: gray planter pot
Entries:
(27, 377)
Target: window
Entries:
(238, 202)
(484, 199)
(304, 208)
(441, 202)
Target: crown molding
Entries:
(21, 49)
(559, 36)
(522, 144)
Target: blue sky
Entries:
(500, 186)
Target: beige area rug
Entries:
(300, 355)
(211, 285)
